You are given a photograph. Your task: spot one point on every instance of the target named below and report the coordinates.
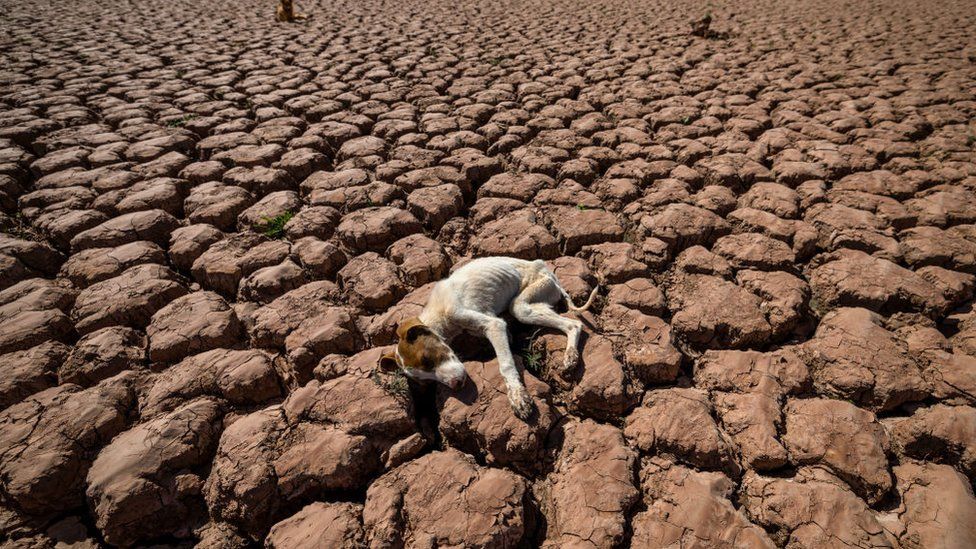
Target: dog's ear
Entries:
(388, 363)
(412, 328)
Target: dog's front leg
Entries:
(496, 331)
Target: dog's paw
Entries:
(522, 403)
(571, 360)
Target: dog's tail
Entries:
(589, 300)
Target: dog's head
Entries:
(422, 354)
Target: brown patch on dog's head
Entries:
(424, 355)
(419, 348)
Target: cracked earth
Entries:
(213, 222)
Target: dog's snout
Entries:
(456, 383)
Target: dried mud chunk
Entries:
(752, 420)
(751, 250)
(932, 246)
(956, 287)
(682, 225)
(419, 259)
(846, 439)
(25, 329)
(36, 256)
(191, 324)
(242, 377)
(63, 225)
(521, 187)
(596, 468)
(814, 509)
(618, 262)
(325, 437)
(953, 376)
(271, 206)
(371, 281)
(103, 354)
(712, 312)
(30, 371)
(331, 181)
(48, 441)
(854, 278)
(775, 373)
(322, 259)
(259, 180)
(646, 342)
(715, 198)
(223, 266)
(422, 502)
(139, 487)
(698, 260)
(373, 229)
(785, 298)
(35, 294)
(578, 227)
(946, 434)
(186, 244)
(163, 193)
(640, 294)
(152, 225)
(478, 419)
(129, 299)
(267, 283)
(435, 205)
(732, 170)
(691, 508)
(880, 182)
(271, 324)
(936, 503)
(517, 234)
(774, 198)
(217, 204)
(332, 331)
(854, 357)
(603, 390)
(97, 264)
(679, 422)
(944, 205)
(317, 221)
(319, 525)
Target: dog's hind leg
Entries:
(534, 306)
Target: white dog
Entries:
(470, 300)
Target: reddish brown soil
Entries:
(778, 204)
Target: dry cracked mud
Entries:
(212, 223)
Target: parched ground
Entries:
(213, 222)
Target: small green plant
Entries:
(430, 51)
(495, 61)
(581, 207)
(274, 227)
(534, 361)
(394, 383)
(970, 140)
(534, 358)
(686, 120)
(181, 121)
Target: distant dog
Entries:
(470, 300)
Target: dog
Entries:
(471, 300)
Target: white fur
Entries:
(474, 296)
